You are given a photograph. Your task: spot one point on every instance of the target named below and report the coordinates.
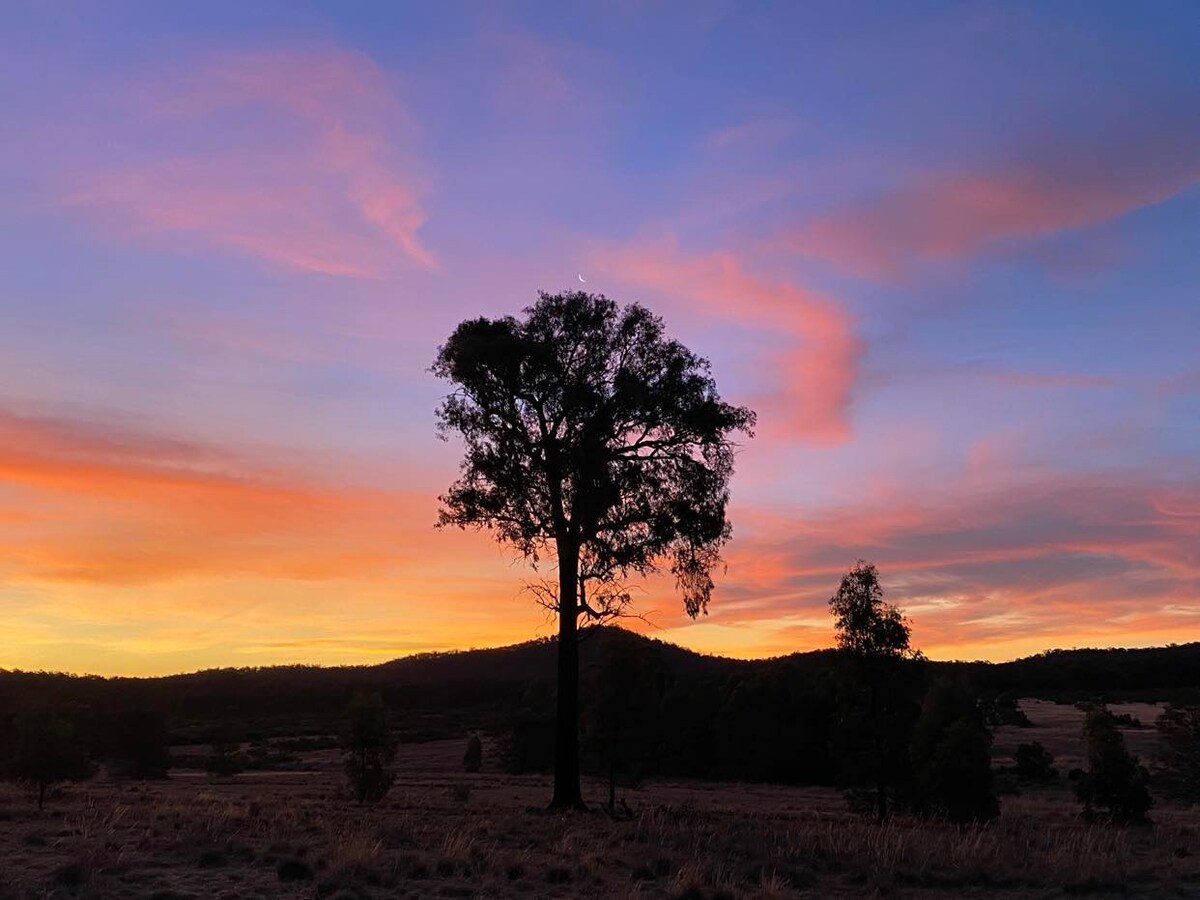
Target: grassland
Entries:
(443, 833)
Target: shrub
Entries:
(223, 762)
(1003, 710)
(1034, 762)
(1114, 787)
(473, 757)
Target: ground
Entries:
(444, 833)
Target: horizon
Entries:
(548, 639)
(945, 250)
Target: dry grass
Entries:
(192, 837)
(1059, 726)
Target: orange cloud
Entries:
(815, 376)
(992, 563)
(113, 505)
(308, 164)
(151, 553)
(946, 216)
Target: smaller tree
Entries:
(368, 748)
(1003, 709)
(473, 757)
(874, 637)
(625, 701)
(951, 755)
(224, 760)
(1179, 743)
(1115, 785)
(140, 745)
(47, 753)
(1034, 762)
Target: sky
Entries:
(948, 252)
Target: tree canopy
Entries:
(867, 625)
(584, 424)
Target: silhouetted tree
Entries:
(46, 753)
(527, 742)
(1114, 782)
(473, 757)
(951, 755)
(1179, 741)
(224, 760)
(139, 745)
(1004, 710)
(591, 437)
(1034, 762)
(368, 748)
(620, 722)
(8, 741)
(874, 636)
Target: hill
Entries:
(436, 694)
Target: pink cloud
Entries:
(304, 160)
(990, 555)
(815, 375)
(951, 215)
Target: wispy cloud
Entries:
(1051, 380)
(303, 159)
(1056, 184)
(813, 378)
(991, 555)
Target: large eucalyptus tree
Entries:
(593, 440)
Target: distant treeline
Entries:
(450, 694)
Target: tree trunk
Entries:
(566, 735)
(881, 799)
(881, 760)
(612, 770)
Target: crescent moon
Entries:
(580, 277)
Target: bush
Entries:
(1003, 710)
(473, 757)
(1035, 763)
(1115, 785)
(223, 763)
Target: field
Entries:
(443, 833)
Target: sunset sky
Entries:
(949, 251)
